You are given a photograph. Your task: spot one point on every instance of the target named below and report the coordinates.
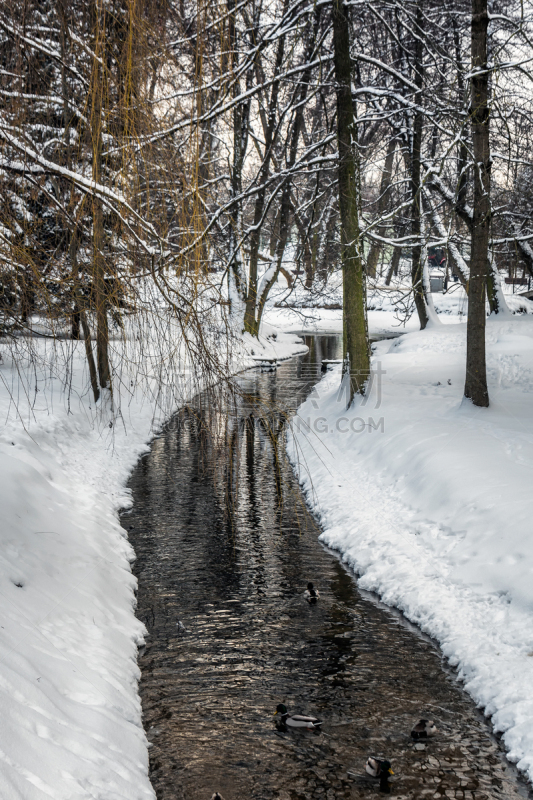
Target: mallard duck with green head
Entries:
(297, 720)
(311, 594)
(380, 768)
(423, 729)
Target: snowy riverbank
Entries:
(298, 310)
(429, 499)
(68, 634)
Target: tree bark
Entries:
(476, 371)
(285, 219)
(79, 316)
(251, 299)
(495, 294)
(417, 267)
(307, 257)
(99, 288)
(395, 260)
(82, 315)
(462, 172)
(454, 255)
(355, 330)
(236, 275)
(386, 178)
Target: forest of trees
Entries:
(160, 157)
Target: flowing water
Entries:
(225, 548)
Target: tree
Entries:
(355, 330)
(476, 370)
(417, 214)
(386, 179)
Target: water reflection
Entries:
(225, 545)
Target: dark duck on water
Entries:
(297, 720)
(423, 729)
(380, 768)
(311, 594)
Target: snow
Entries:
(71, 715)
(428, 499)
(432, 511)
(320, 310)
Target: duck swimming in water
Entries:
(311, 594)
(423, 729)
(297, 720)
(380, 768)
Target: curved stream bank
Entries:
(225, 546)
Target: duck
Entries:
(297, 720)
(423, 729)
(380, 768)
(311, 594)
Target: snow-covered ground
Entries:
(433, 512)
(297, 309)
(429, 499)
(71, 717)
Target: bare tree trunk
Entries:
(476, 371)
(394, 264)
(495, 294)
(326, 234)
(102, 330)
(399, 230)
(458, 263)
(75, 330)
(355, 330)
(73, 243)
(89, 354)
(386, 178)
(417, 267)
(79, 315)
(236, 274)
(462, 176)
(251, 299)
(82, 316)
(286, 205)
(99, 288)
(308, 258)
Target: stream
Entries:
(225, 547)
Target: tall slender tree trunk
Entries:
(73, 243)
(454, 255)
(306, 257)
(476, 371)
(462, 171)
(495, 294)
(236, 273)
(82, 315)
(355, 330)
(386, 178)
(285, 207)
(417, 267)
(399, 231)
(79, 315)
(102, 329)
(250, 323)
(99, 287)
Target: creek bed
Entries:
(225, 546)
